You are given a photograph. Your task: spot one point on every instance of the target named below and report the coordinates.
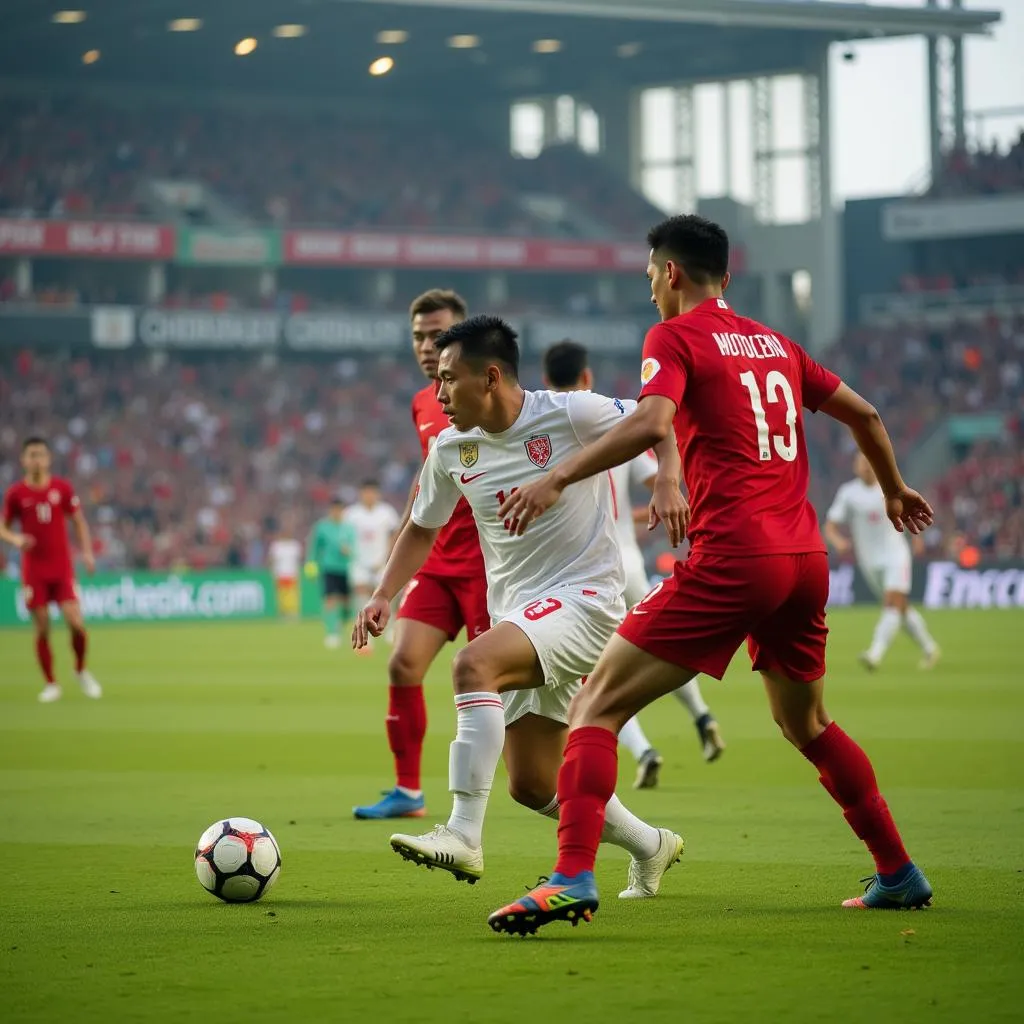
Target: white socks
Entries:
(913, 623)
(690, 695)
(622, 828)
(632, 737)
(887, 628)
(472, 761)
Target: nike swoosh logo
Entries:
(425, 427)
(469, 479)
(639, 611)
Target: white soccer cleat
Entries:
(442, 848)
(332, 641)
(645, 876)
(931, 659)
(89, 685)
(868, 662)
(50, 693)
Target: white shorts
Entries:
(889, 577)
(637, 583)
(568, 631)
(364, 576)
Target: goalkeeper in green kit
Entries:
(331, 545)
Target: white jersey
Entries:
(374, 527)
(861, 507)
(285, 558)
(634, 473)
(574, 542)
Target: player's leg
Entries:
(72, 612)
(788, 649)
(914, 624)
(898, 576)
(40, 612)
(331, 614)
(708, 731)
(889, 620)
(500, 660)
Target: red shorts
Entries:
(700, 615)
(41, 592)
(447, 603)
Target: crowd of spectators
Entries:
(76, 157)
(982, 171)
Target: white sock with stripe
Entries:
(472, 761)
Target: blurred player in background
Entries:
(42, 504)
(284, 556)
(448, 593)
(729, 391)
(329, 550)
(566, 368)
(555, 596)
(375, 523)
(884, 557)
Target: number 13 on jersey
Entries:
(776, 389)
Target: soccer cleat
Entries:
(50, 693)
(711, 740)
(913, 893)
(644, 879)
(648, 768)
(442, 848)
(930, 660)
(331, 641)
(558, 898)
(867, 661)
(394, 804)
(89, 685)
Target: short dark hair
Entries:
(565, 362)
(34, 439)
(336, 499)
(701, 246)
(371, 482)
(484, 339)
(438, 299)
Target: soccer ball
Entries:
(237, 860)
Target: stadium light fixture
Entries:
(185, 25)
(90, 56)
(465, 42)
(290, 31)
(245, 46)
(546, 45)
(68, 17)
(627, 50)
(392, 37)
(381, 66)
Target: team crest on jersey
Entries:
(469, 452)
(647, 371)
(538, 448)
(53, 497)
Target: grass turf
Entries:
(101, 917)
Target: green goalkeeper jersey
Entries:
(331, 545)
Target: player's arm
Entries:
(835, 537)
(84, 535)
(837, 516)
(22, 541)
(905, 508)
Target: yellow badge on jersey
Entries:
(469, 452)
(650, 367)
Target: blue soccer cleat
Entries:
(394, 804)
(912, 892)
(558, 898)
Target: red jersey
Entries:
(738, 389)
(42, 513)
(456, 552)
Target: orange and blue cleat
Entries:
(395, 804)
(908, 890)
(558, 898)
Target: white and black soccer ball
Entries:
(237, 860)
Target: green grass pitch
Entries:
(102, 919)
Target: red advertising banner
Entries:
(349, 248)
(110, 239)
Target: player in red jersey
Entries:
(449, 591)
(42, 504)
(732, 390)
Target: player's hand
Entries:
(90, 562)
(524, 505)
(23, 542)
(907, 510)
(668, 506)
(842, 545)
(370, 621)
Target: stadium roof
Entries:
(454, 49)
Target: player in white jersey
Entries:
(554, 596)
(375, 522)
(285, 557)
(884, 558)
(566, 369)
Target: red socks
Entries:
(45, 657)
(847, 775)
(78, 644)
(407, 725)
(586, 782)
